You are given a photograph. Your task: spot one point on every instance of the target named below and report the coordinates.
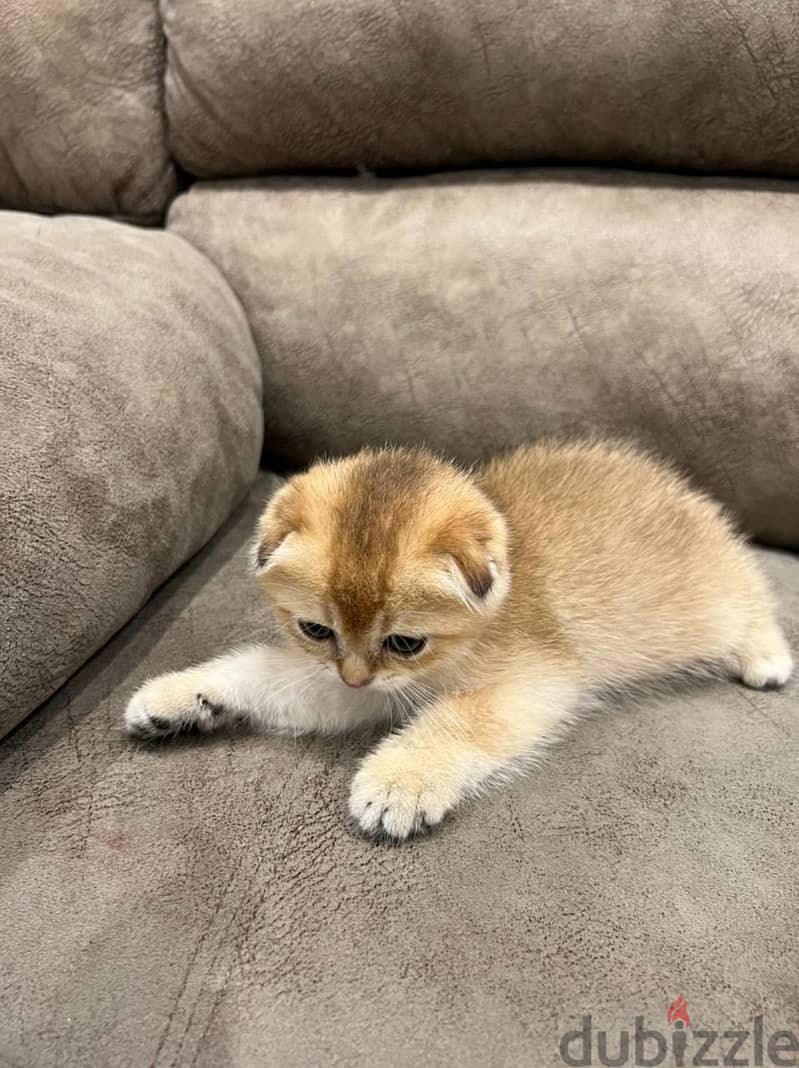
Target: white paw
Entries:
(169, 704)
(767, 672)
(396, 793)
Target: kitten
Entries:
(480, 606)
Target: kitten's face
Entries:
(384, 566)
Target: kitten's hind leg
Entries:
(764, 660)
(452, 750)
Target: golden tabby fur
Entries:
(481, 606)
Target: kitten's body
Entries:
(550, 572)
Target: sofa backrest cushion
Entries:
(81, 117)
(290, 85)
(474, 312)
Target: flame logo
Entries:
(678, 1010)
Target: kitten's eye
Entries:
(317, 632)
(403, 645)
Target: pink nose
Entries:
(354, 670)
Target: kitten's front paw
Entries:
(396, 793)
(170, 704)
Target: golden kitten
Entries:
(480, 606)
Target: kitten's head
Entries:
(385, 565)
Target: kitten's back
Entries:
(634, 565)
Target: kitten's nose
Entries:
(355, 673)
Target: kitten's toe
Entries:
(167, 706)
(389, 800)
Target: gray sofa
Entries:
(239, 235)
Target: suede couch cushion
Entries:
(474, 313)
(130, 426)
(264, 85)
(81, 123)
(201, 902)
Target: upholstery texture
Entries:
(81, 113)
(131, 426)
(202, 903)
(474, 313)
(263, 85)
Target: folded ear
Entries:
(477, 543)
(476, 567)
(280, 519)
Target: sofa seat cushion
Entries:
(475, 312)
(130, 426)
(202, 902)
